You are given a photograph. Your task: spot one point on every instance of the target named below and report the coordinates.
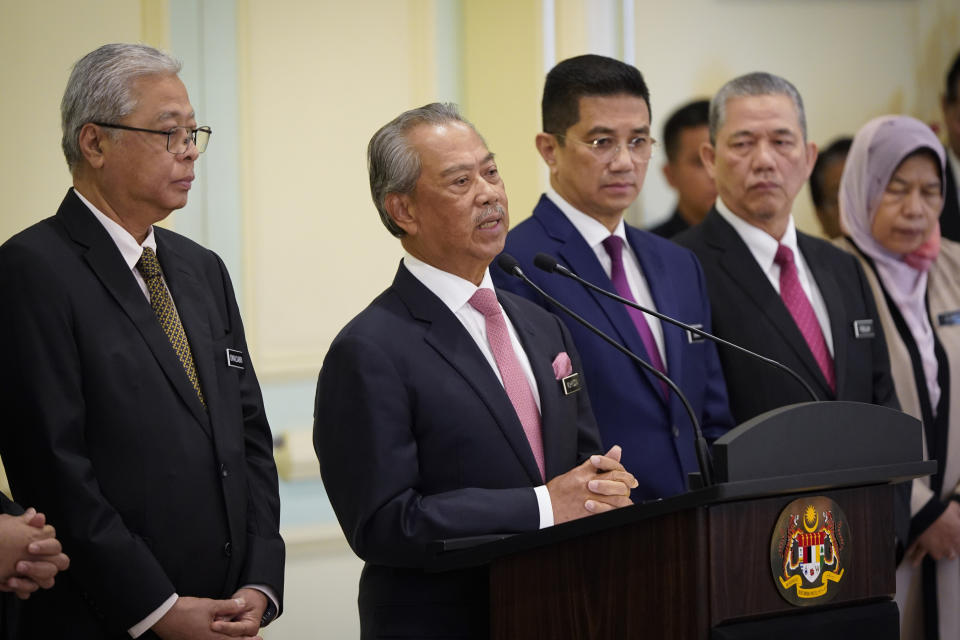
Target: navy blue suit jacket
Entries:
(628, 402)
(418, 441)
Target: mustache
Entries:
(489, 212)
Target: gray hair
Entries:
(758, 83)
(393, 163)
(100, 88)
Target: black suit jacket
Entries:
(151, 493)
(950, 216)
(8, 602)
(748, 311)
(671, 226)
(418, 441)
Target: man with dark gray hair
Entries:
(774, 290)
(132, 414)
(447, 408)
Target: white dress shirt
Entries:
(455, 293)
(594, 232)
(764, 249)
(131, 252)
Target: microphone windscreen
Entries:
(508, 263)
(545, 261)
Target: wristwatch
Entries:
(269, 613)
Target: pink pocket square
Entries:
(562, 367)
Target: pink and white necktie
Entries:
(802, 311)
(514, 380)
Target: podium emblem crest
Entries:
(809, 551)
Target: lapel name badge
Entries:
(693, 337)
(863, 329)
(949, 318)
(571, 384)
(234, 358)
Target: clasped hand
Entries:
(599, 484)
(941, 539)
(30, 554)
(204, 618)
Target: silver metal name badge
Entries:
(863, 328)
(234, 358)
(693, 337)
(571, 384)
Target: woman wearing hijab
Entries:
(891, 195)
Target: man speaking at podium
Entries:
(441, 409)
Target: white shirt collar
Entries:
(592, 230)
(125, 242)
(452, 290)
(761, 244)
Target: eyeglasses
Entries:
(606, 148)
(178, 138)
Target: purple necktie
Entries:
(799, 307)
(514, 380)
(614, 247)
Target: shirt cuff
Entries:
(545, 505)
(144, 625)
(267, 591)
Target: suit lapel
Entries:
(108, 265)
(579, 257)
(665, 300)
(448, 337)
(739, 264)
(833, 299)
(190, 297)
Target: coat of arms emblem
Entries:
(809, 553)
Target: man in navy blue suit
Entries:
(596, 142)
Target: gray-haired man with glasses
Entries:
(132, 414)
(597, 145)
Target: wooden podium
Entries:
(698, 565)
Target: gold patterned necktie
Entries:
(162, 304)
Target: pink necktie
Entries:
(514, 380)
(799, 307)
(614, 247)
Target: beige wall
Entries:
(39, 42)
(317, 79)
(851, 61)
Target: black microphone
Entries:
(548, 263)
(510, 265)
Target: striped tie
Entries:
(162, 304)
(803, 314)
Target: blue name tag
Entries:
(949, 318)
